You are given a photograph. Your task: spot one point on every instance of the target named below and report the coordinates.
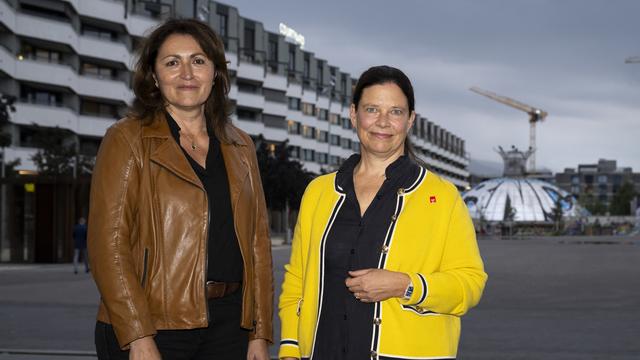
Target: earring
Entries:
(157, 84)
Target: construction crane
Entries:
(633, 60)
(535, 115)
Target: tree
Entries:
(6, 106)
(620, 204)
(55, 156)
(557, 214)
(592, 204)
(283, 179)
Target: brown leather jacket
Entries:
(148, 228)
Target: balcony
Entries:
(42, 115)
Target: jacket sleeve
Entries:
(459, 283)
(112, 213)
(262, 262)
(291, 296)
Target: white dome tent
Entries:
(517, 198)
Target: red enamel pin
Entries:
(432, 199)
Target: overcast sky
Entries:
(565, 57)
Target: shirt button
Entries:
(385, 249)
(374, 354)
(345, 316)
(400, 191)
(377, 321)
(394, 217)
(353, 251)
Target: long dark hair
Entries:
(148, 99)
(378, 75)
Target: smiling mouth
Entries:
(187, 87)
(381, 136)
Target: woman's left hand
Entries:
(258, 350)
(372, 285)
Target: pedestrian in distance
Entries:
(384, 259)
(179, 243)
(80, 245)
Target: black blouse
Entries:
(224, 257)
(353, 243)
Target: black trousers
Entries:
(223, 339)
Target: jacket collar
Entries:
(159, 128)
(170, 155)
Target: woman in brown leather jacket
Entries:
(178, 237)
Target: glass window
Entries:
(294, 103)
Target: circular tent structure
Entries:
(531, 200)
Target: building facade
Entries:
(69, 64)
(601, 180)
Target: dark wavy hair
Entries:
(378, 75)
(148, 100)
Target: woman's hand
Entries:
(144, 349)
(372, 285)
(258, 350)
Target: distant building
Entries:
(69, 63)
(601, 180)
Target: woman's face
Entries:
(184, 74)
(382, 120)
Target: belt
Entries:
(218, 289)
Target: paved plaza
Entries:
(547, 298)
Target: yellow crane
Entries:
(535, 115)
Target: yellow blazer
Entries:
(431, 238)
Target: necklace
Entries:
(194, 145)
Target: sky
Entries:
(566, 57)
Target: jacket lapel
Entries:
(169, 154)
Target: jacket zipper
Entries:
(145, 260)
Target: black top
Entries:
(224, 257)
(353, 243)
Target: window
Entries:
(40, 96)
(274, 121)
(40, 54)
(294, 103)
(274, 95)
(307, 66)
(292, 58)
(97, 32)
(308, 154)
(248, 115)
(322, 114)
(335, 160)
(602, 179)
(97, 71)
(346, 123)
(97, 108)
(335, 139)
(322, 158)
(345, 143)
(334, 119)
(308, 132)
(249, 42)
(355, 146)
(273, 53)
(223, 20)
(294, 127)
(322, 136)
(294, 151)
(308, 109)
(320, 72)
(248, 87)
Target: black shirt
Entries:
(224, 261)
(353, 243)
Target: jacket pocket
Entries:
(145, 264)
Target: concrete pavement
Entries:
(553, 298)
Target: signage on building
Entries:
(291, 35)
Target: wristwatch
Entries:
(408, 291)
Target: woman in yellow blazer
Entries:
(384, 259)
